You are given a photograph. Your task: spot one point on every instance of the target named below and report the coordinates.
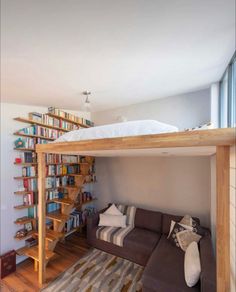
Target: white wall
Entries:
(8, 170)
(178, 185)
(184, 111)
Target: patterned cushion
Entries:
(189, 221)
(172, 237)
(182, 237)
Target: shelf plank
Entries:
(24, 221)
(30, 233)
(25, 163)
(57, 216)
(25, 149)
(23, 177)
(52, 235)
(32, 122)
(24, 192)
(33, 252)
(19, 207)
(33, 136)
(68, 120)
(67, 163)
(63, 201)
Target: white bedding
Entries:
(132, 128)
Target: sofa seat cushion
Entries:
(142, 241)
(165, 269)
(138, 245)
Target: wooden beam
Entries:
(41, 217)
(180, 139)
(222, 219)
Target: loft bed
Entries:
(190, 143)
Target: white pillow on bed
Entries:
(113, 210)
(112, 220)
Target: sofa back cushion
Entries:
(166, 221)
(147, 219)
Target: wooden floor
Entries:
(25, 279)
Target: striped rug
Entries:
(99, 271)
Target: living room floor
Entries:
(25, 278)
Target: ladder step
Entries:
(52, 235)
(64, 201)
(69, 187)
(33, 252)
(57, 216)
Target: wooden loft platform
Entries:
(204, 142)
(127, 145)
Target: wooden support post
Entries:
(222, 219)
(41, 216)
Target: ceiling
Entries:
(125, 52)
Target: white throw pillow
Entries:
(113, 210)
(192, 266)
(112, 220)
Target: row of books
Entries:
(29, 171)
(86, 197)
(54, 194)
(51, 121)
(75, 221)
(41, 131)
(52, 207)
(27, 184)
(62, 169)
(29, 143)
(69, 116)
(58, 158)
(30, 198)
(55, 182)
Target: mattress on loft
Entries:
(131, 128)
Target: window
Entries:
(227, 102)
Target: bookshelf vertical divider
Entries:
(41, 215)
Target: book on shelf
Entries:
(30, 184)
(29, 143)
(69, 159)
(74, 221)
(53, 194)
(41, 131)
(69, 116)
(28, 171)
(52, 207)
(62, 169)
(34, 116)
(29, 199)
(29, 242)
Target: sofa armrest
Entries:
(208, 265)
(92, 221)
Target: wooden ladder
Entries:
(52, 236)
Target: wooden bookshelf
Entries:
(72, 193)
(68, 120)
(33, 136)
(32, 122)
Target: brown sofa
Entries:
(147, 245)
